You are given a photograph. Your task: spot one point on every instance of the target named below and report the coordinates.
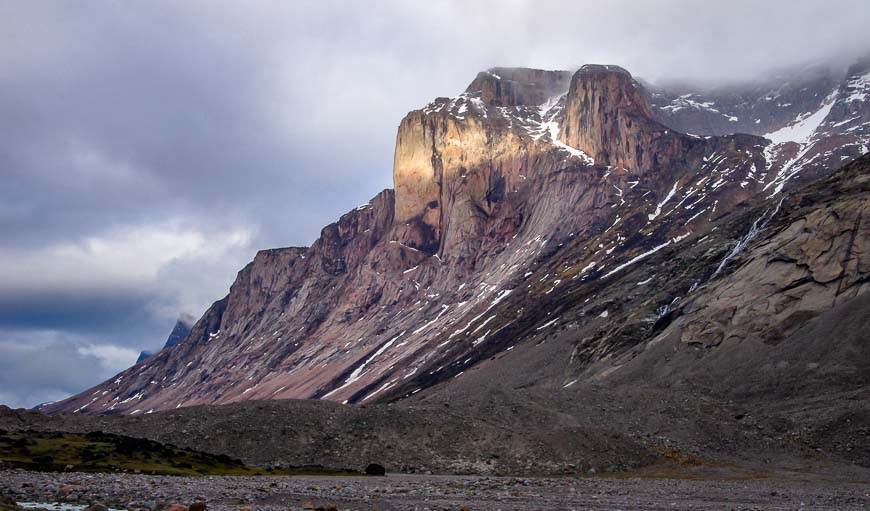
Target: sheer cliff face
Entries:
(511, 200)
(458, 158)
(607, 117)
(443, 162)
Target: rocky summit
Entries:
(580, 264)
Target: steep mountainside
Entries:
(519, 206)
(748, 344)
(816, 117)
(740, 350)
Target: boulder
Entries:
(375, 469)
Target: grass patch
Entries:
(105, 452)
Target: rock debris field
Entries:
(421, 492)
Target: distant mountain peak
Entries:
(182, 327)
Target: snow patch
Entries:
(637, 258)
(759, 224)
(662, 203)
(802, 129)
(547, 324)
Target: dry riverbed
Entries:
(420, 492)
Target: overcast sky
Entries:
(148, 149)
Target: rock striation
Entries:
(607, 117)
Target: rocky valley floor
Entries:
(421, 492)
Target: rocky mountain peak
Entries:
(182, 327)
(606, 116)
(457, 158)
(622, 91)
(513, 86)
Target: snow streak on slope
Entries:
(550, 126)
(757, 226)
(858, 88)
(805, 126)
(803, 131)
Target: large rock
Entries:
(374, 469)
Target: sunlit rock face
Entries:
(456, 158)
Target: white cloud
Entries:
(127, 256)
(48, 365)
(111, 358)
(184, 268)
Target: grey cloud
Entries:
(276, 117)
(46, 366)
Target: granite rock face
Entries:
(767, 305)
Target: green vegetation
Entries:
(104, 452)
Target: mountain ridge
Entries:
(423, 283)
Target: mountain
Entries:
(182, 327)
(541, 210)
(816, 118)
(742, 352)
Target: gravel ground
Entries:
(420, 492)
